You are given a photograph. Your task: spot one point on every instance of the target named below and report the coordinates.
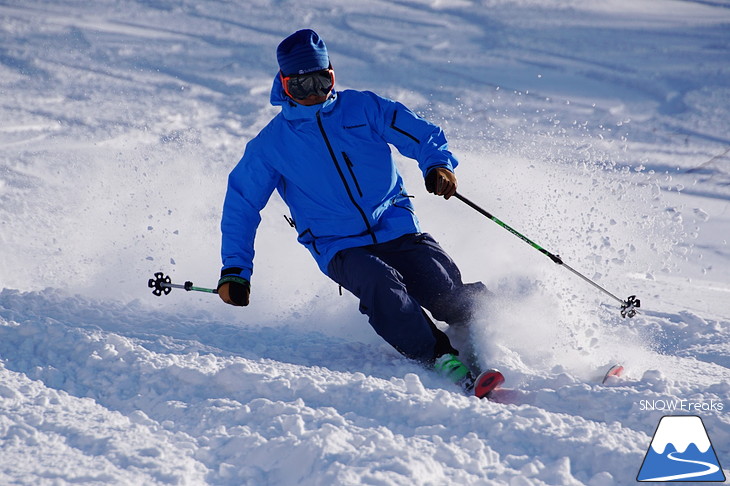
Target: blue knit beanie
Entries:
(302, 52)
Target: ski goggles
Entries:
(302, 86)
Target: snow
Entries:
(599, 130)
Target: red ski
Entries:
(616, 370)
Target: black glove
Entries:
(441, 181)
(234, 290)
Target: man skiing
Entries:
(327, 154)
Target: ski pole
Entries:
(628, 306)
(162, 284)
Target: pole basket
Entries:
(628, 309)
(158, 284)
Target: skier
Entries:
(327, 154)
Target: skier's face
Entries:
(312, 100)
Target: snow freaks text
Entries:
(680, 405)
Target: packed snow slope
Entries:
(598, 129)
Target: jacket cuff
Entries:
(244, 273)
(438, 166)
(233, 279)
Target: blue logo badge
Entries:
(681, 451)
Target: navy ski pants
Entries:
(396, 280)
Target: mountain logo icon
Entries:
(681, 451)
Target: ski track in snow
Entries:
(597, 130)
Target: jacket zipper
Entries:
(350, 167)
(344, 180)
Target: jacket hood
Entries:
(295, 111)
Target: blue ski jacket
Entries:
(332, 165)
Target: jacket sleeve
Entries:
(414, 136)
(250, 185)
